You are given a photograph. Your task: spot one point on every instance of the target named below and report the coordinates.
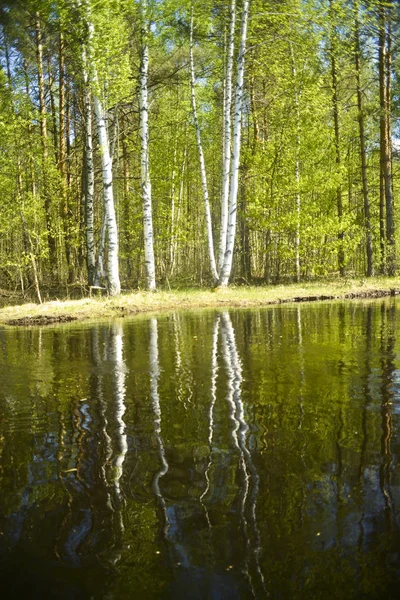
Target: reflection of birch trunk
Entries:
(214, 373)
(104, 422)
(249, 473)
(120, 408)
(155, 402)
(184, 375)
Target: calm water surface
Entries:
(207, 455)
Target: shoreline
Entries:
(64, 311)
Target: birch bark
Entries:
(144, 153)
(204, 184)
(109, 208)
(226, 156)
(226, 270)
(89, 168)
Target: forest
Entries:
(186, 143)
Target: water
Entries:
(207, 455)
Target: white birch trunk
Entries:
(99, 273)
(144, 155)
(226, 153)
(89, 191)
(211, 253)
(109, 208)
(234, 175)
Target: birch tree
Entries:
(89, 172)
(227, 137)
(144, 152)
(226, 269)
(203, 172)
(107, 176)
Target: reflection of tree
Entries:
(184, 373)
(120, 408)
(155, 402)
(364, 414)
(387, 364)
(213, 394)
(240, 430)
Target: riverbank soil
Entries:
(243, 296)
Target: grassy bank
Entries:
(141, 302)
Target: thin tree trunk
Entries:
(89, 169)
(201, 159)
(226, 156)
(382, 132)
(297, 164)
(335, 107)
(172, 227)
(363, 155)
(53, 111)
(225, 272)
(114, 284)
(126, 194)
(62, 159)
(43, 132)
(32, 258)
(391, 250)
(144, 153)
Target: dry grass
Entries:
(142, 302)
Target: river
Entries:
(203, 455)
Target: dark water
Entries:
(208, 456)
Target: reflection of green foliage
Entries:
(318, 393)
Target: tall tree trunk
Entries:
(335, 108)
(89, 176)
(226, 270)
(144, 153)
(62, 159)
(109, 208)
(363, 155)
(226, 156)
(43, 133)
(382, 135)
(201, 158)
(114, 284)
(387, 165)
(297, 164)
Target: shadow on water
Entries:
(249, 454)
